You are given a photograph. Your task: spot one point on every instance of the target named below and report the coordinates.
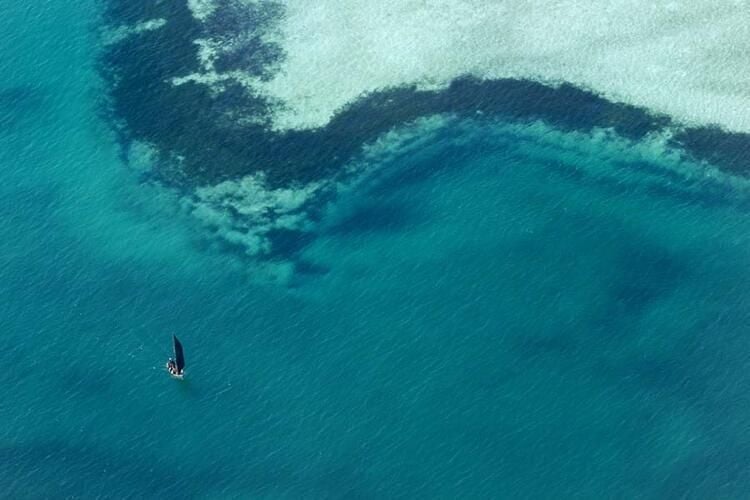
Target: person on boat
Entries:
(172, 367)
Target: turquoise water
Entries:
(497, 310)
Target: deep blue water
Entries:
(497, 310)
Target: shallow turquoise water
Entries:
(502, 311)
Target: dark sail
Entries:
(179, 357)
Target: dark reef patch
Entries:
(207, 132)
(728, 150)
(224, 135)
(648, 274)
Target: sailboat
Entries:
(176, 366)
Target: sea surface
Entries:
(467, 300)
